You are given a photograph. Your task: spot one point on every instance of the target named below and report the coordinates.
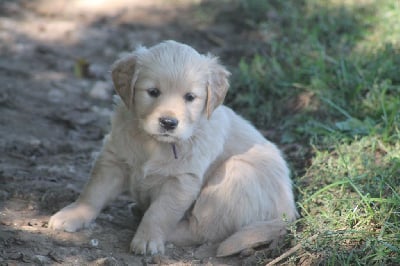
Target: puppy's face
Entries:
(170, 87)
(169, 100)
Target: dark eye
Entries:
(153, 92)
(189, 97)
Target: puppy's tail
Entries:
(253, 235)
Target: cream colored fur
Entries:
(212, 178)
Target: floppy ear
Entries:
(124, 75)
(217, 86)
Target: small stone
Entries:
(16, 256)
(56, 95)
(94, 242)
(33, 222)
(107, 217)
(107, 261)
(169, 245)
(41, 260)
(101, 90)
(55, 256)
(35, 142)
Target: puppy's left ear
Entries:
(124, 75)
(217, 85)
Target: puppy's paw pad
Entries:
(155, 247)
(143, 247)
(72, 218)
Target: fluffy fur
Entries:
(208, 175)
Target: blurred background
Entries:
(318, 77)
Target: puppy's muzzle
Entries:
(168, 123)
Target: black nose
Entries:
(168, 123)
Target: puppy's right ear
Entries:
(124, 74)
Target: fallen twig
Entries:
(290, 251)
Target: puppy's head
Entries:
(170, 87)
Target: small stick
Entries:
(290, 251)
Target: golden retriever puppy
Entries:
(198, 171)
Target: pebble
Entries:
(55, 256)
(94, 242)
(56, 95)
(107, 261)
(101, 90)
(169, 245)
(33, 222)
(107, 217)
(35, 142)
(41, 260)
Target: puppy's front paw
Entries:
(147, 242)
(72, 217)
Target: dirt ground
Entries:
(55, 102)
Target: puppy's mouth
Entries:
(168, 139)
(165, 137)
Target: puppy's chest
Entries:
(167, 159)
(146, 189)
(148, 177)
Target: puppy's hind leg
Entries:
(183, 236)
(217, 211)
(249, 194)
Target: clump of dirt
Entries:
(55, 103)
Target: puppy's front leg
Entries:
(164, 213)
(107, 180)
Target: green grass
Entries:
(326, 77)
(350, 197)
